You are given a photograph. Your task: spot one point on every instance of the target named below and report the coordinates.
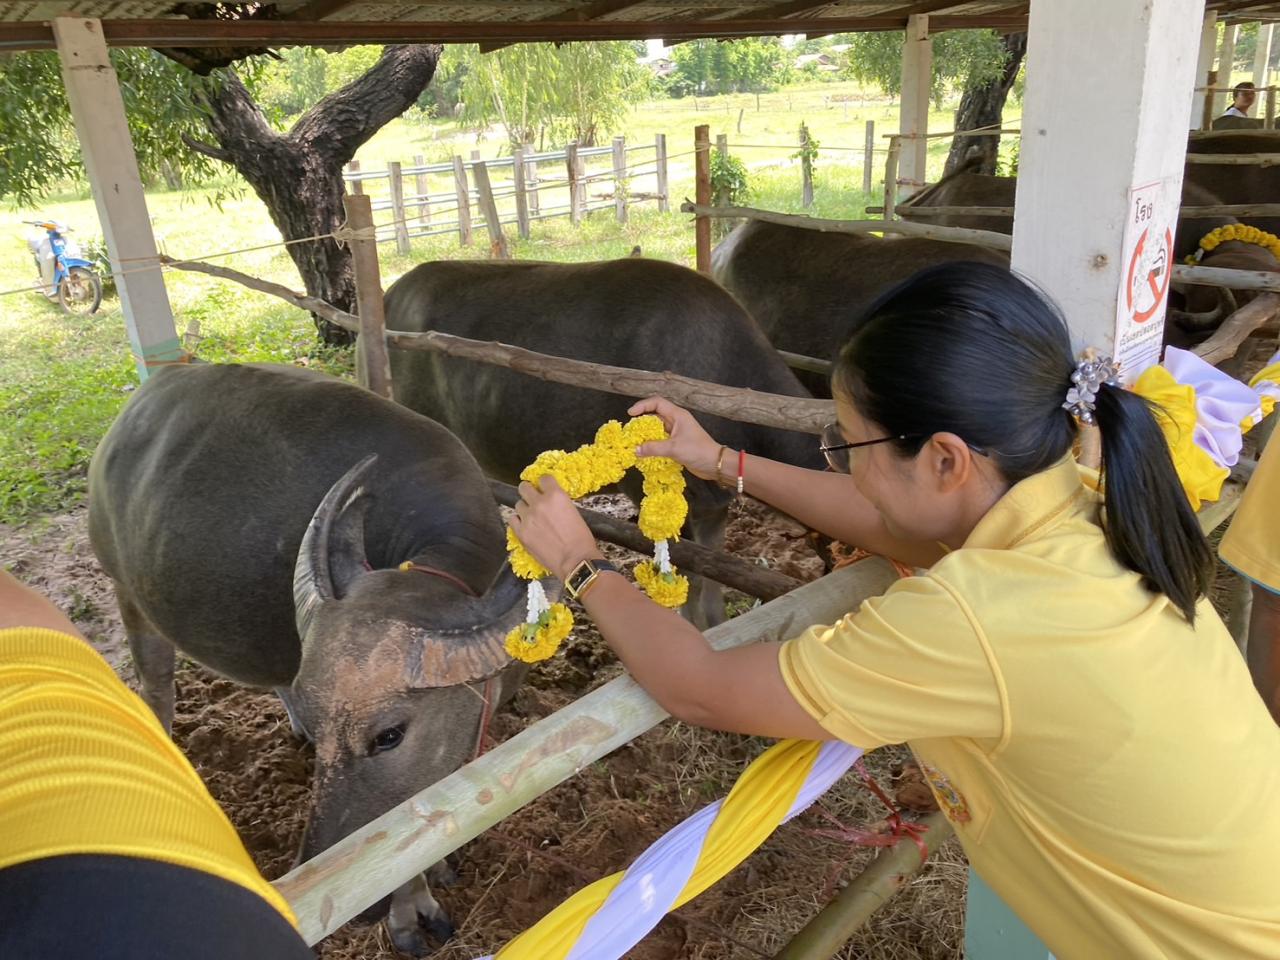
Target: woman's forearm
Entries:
(740, 690)
(831, 504)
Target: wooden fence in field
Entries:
(464, 194)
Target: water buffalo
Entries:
(966, 189)
(1198, 309)
(255, 517)
(1238, 184)
(805, 288)
(633, 312)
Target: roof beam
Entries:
(915, 9)
(28, 35)
(318, 9)
(589, 11)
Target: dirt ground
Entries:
(590, 826)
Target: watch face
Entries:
(581, 574)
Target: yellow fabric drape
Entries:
(754, 808)
(1175, 410)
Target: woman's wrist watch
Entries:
(584, 575)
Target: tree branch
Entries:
(342, 121)
(206, 148)
(233, 116)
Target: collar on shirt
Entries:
(1040, 501)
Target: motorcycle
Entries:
(64, 274)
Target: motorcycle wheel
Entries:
(80, 291)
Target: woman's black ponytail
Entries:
(1149, 523)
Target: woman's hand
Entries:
(688, 444)
(550, 527)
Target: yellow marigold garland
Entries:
(1237, 231)
(662, 514)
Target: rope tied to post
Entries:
(344, 234)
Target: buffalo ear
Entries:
(332, 552)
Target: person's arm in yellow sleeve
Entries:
(20, 606)
(1251, 547)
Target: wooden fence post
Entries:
(620, 178)
(868, 155)
(531, 166)
(396, 176)
(722, 150)
(522, 198)
(806, 169)
(571, 164)
(660, 156)
(464, 201)
(498, 248)
(1270, 121)
(1206, 121)
(376, 366)
(353, 169)
(420, 185)
(891, 177)
(702, 196)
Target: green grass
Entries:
(63, 379)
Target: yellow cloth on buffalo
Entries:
(1251, 544)
(1267, 382)
(1108, 766)
(85, 768)
(1175, 410)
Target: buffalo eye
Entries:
(387, 739)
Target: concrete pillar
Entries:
(103, 131)
(1204, 63)
(1262, 55)
(917, 81)
(1226, 57)
(1100, 175)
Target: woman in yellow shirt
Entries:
(1081, 712)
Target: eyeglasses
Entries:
(836, 449)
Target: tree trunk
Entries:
(983, 106)
(298, 174)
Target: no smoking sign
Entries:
(1150, 269)
(1148, 272)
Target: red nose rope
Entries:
(486, 714)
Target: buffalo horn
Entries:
(463, 656)
(332, 550)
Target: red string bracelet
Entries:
(742, 464)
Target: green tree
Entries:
(754, 64)
(960, 57)
(577, 91)
(38, 146)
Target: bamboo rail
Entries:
(366, 865)
(880, 882)
(1234, 159)
(798, 361)
(1232, 210)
